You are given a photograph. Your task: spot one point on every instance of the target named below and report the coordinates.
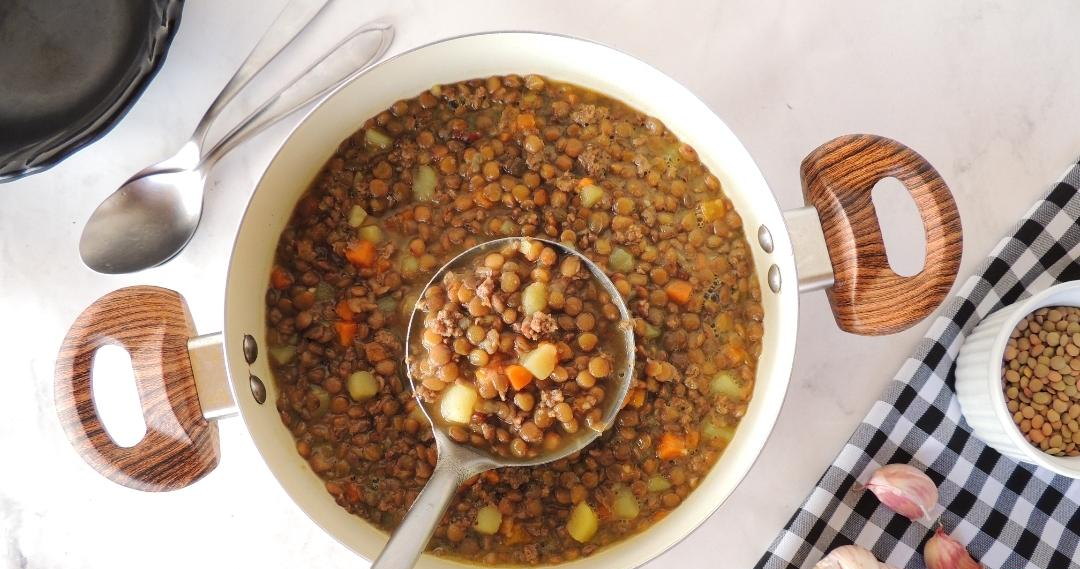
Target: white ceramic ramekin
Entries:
(979, 382)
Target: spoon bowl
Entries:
(457, 462)
(150, 219)
(155, 213)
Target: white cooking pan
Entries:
(187, 382)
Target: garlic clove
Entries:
(905, 490)
(849, 557)
(943, 552)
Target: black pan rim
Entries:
(51, 152)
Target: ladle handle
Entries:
(346, 60)
(411, 537)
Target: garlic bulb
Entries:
(905, 490)
(944, 552)
(850, 557)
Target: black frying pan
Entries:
(70, 69)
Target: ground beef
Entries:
(388, 339)
(585, 115)
(446, 322)
(538, 325)
(485, 289)
(595, 160)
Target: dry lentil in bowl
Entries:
(490, 158)
(1040, 371)
(518, 348)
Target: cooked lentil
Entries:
(513, 156)
(511, 395)
(1039, 375)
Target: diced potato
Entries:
(724, 383)
(713, 209)
(534, 298)
(541, 361)
(387, 304)
(362, 385)
(713, 431)
(376, 139)
(621, 260)
(591, 195)
(357, 215)
(488, 520)
(658, 483)
(457, 404)
(282, 354)
(626, 505)
(371, 233)
(583, 523)
(324, 291)
(651, 331)
(423, 185)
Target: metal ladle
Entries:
(154, 214)
(458, 462)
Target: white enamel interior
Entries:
(577, 61)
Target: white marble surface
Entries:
(987, 91)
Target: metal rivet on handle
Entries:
(764, 238)
(258, 390)
(774, 278)
(251, 349)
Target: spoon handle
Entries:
(292, 20)
(410, 538)
(346, 60)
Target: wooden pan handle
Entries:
(153, 325)
(868, 297)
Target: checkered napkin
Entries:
(1009, 515)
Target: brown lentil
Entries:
(476, 138)
(1039, 375)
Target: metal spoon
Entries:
(154, 214)
(458, 462)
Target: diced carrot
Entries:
(692, 439)
(671, 447)
(585, 182)
(362, 254)
(346, 331)
(352, 493)
(280, 278)
(734, 353)
(526, 121)
(679, 291)
(519, 376)
(343, 311)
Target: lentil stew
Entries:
(514, 156)
(514, 353)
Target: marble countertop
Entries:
(987, 91)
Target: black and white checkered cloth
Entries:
(1010, 515)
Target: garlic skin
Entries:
(850, 557)
(944, 552)
(905, 490)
